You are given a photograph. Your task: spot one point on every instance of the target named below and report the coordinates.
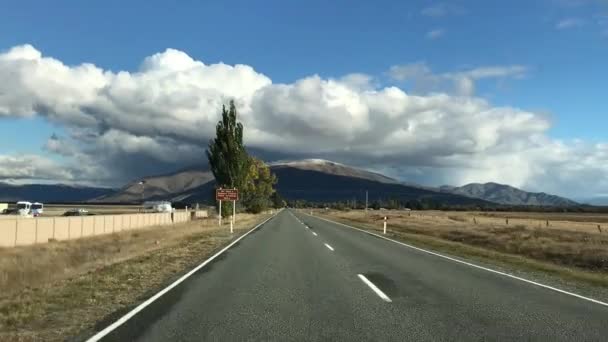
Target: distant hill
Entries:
(163, 187)
(506, 194)
(326, 181)
(49, 193)
(329, 167)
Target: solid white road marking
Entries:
(313, 233)
(473, 265)
(375, 288)
(150, 300)
(328, 246)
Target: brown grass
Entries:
(583, 250)
(56, 290)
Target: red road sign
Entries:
(227, 194)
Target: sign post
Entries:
(227, 195)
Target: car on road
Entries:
(77, 212)
(158, 206)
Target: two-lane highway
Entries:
(299, 278)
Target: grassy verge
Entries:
(574, 277)
(99, 276)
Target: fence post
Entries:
(54, 228)
(599, 228)
(69, 228)
(36, 233)
(81, 226)
(507, 221)
(547, 223)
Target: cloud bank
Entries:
(123, 125)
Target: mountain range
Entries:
(314, 180)
(506, 194)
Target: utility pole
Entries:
(143, 189)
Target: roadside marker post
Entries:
(233, 215)
(220, 215)
(384, 225)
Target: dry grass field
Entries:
(569, 240)
(53, 291)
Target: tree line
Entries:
(425, 204)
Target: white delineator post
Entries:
(384, 225)
(220, 216)
(233, 215)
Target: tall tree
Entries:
(227, 156)
(234, 168)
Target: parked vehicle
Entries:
(158, 206)
(37, 209)
(24, 208)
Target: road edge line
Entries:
(375, 288)
(471, 264)
(101, 334)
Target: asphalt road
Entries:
(287, 282)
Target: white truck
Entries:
(37, 209)
(24, 208)
(158, 206)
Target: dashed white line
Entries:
(474, 265)
(313, 233)
(330, 247)
(375, 288)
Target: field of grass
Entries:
(54, 291)
(568, 246)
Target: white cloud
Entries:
(32, 167)
(122, 125)
(569, 23)
(436, 33)
(461, 82)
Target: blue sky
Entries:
(291, 39)
(563, 45)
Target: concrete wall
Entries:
(200, 214)
(20, 231)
